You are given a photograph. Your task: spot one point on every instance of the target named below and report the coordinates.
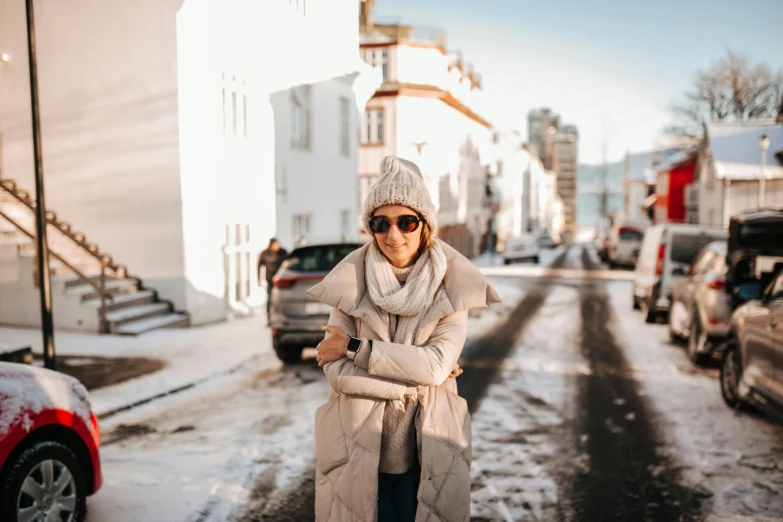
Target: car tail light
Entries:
(717, 284)
(661, 256)
(288, 282)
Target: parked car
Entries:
(666, 253)
(49, 439)
(521, 248)
(296, 318)
(701, 308)
(623, 245)
(546, 241)
(752, 363)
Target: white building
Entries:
(526, 194)
(159, 124)
(426, 111)
(730, 169)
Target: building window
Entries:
(234, 93)
(372, 129)
(378, 58)
(385, 64)
(345, 126)
(300, 117)
(301, 225)
(299, 5)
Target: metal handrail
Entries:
(65, 229)
(92, 250)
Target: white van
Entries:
(665, 257)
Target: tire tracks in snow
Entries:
(626, 475)
(299, 503)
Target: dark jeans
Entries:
(397, 495)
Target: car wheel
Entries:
(697, 341)
(288, 353)
(650, 313)
(506, 261)
(731, 376)
(674, 337)
(45, 482)
(536, 259)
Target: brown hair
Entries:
(426, 237)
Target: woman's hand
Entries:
(334, 347)
(456, 372)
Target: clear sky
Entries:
(612, 67)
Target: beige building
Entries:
(428, 111)
(557, 145)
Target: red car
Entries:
(49, 439)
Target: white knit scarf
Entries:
(409, 302)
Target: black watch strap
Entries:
(353, 344)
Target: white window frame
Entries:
(345, 126)
(373, 127)
(301, 117)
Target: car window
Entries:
(629, 234)
(776, 290)
(685, 247)
(760, 235)
(319, 258)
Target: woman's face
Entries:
(401, 249)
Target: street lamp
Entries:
(764, 146)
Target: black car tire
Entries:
(19, 468)
(506, 261)
(287, 353)
(536, 259)
(650, 313)
(697, 358)
(731, 376)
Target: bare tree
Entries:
(732, 89)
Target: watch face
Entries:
(353, 344)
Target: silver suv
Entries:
(296, 318)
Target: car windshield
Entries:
(630, 234)
(319, 258)
(685, 247)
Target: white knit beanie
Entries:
(400, 183)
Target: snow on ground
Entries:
(735, 458)
(513, 443)
(195, 456)
(192, 355)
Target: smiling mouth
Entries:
(395, 246)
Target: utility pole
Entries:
(44, 281)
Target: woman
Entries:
(393, 440)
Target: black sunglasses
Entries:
(405, 224)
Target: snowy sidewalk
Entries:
(192, 355)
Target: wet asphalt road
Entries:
(626, 479)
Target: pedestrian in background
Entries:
(270, 260)
(393, 441)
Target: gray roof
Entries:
(736, 152)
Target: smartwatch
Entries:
(353, 346)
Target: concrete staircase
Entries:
(75, 264)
